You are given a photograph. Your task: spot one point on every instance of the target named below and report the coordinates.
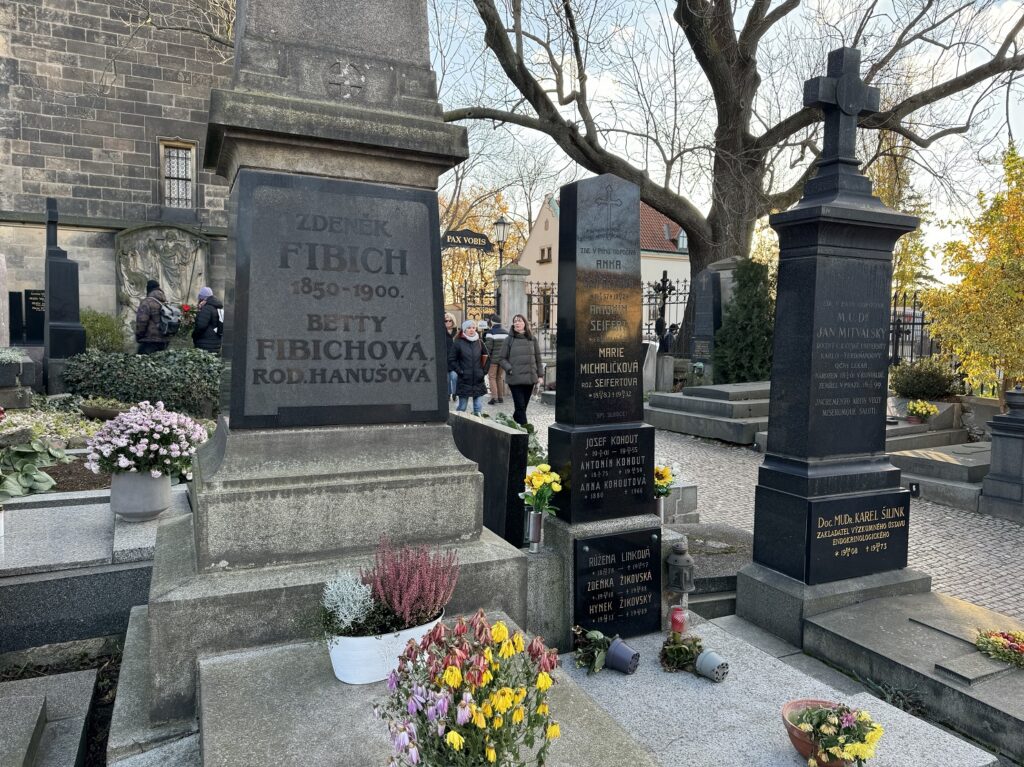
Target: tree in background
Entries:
(743, 345)
(981, 317)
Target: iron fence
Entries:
(478, 303)
(909, 336)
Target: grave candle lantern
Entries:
(680, 568)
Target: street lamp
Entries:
(501, 236)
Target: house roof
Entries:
(657, 231)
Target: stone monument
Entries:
(63, 334)
(607, 525)
(1002, 490)
(828, 504)
(336, 434)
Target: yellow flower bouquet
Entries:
(541, 486)
(919, 408)
(663, 481)
(837, 733)
(471, 694)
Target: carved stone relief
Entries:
(175, 257)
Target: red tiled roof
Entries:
(652, 231)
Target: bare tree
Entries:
(703, 111)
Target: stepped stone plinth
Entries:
(729, 412)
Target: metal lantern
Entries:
(680, 568)
(501, 237)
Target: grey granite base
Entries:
(781, 604)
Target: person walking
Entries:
(464, 359)
(209, 330)
(451, 331)
(147, 320)
(493, 342)
(519, 357)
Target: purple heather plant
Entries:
(146, 438)
(414, 583)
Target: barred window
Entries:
(177, 169)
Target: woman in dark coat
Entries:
(209, 329)
(451, 332)
(464, 359)
(520, 359)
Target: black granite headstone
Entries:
(828, 503)
(63, 334)
(16, 302)
(599, 443)
(35, 316)
(618, 582)
(337, 296)
(707, 315)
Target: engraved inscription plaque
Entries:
(617, 585)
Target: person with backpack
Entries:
(150, 326)
(493, 342)
(209, 329)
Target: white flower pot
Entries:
(138, 496)
(363, 660)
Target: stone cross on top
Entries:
(843, 97)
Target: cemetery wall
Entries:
(84, 105)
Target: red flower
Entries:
(185, 307)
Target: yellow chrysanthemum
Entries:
(499, 632)
(486, 708)
(518, 714)
(491, 754)
(497, 722)
(553, 731)
(453, 677)
(487, 676)
(520, 695)
(543, 681)
(454, 740)
(812, 762)
(874, 734)
(805, 726)
(544, 467)
(507, 649)
(863, 716)
(542, 709)
(556, 487)
(478, 718)
(488, 655)
(502, 699)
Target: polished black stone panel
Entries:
(338, 294)
(600, 350)
(607, 471)
(617, 582)
(34, 318)
(825, 539)
(16, 314)
(707, 315)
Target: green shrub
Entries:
(743, 345)
(927, 378)
(103, 332)
(185, 380)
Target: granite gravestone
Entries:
(33, 320)
(335, 304)
(1002, 493)
(828, 502)
(599, 442)
(63, 334)
(17, 316)
(618, 583)
(707, 317)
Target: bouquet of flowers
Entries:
(189, 312)
(146, 438)
(1006, 646)
(662, 481)
(541, 486)
(474, 694)
(838, 733)
(919, 408)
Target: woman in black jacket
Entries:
(451, 332)
(520, 359)
(208, 332)
(464, 359)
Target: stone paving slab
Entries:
(740, 721)
(968, 555)
(135, 541)
(22, 719)
(58, 538)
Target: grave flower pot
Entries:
(536, 523)
(801, 740)
(136, 496)
(622, 657)
(368, 659)
(711, 665)
(914, 419)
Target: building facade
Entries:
(108, 114)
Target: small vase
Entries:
(138, 496)
(622, 657)
(536, 530)
(914, 419)
(660, 500)
(711, 665)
